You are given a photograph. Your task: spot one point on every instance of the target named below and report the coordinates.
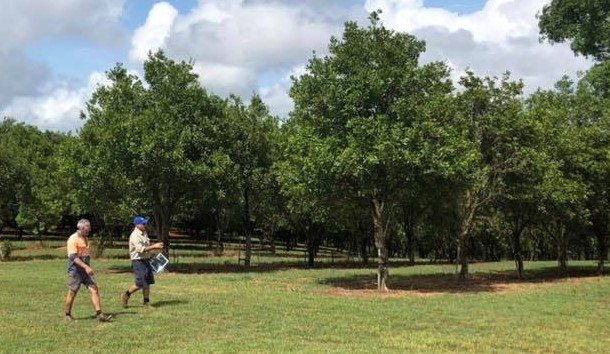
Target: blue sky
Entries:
(462, 7)
(54, 54)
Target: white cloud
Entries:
(57, 109)
(225, 79)
(153, 34)
(24, 80)
(503, 36)
(276, 95)
(497, 22)
(19, 75)
(235, 43)
(23, 22)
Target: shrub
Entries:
(6, 247)
(98, 246)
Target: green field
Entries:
(207, 304)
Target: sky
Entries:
(53, 54)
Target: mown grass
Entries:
(209, 304)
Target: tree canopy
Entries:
(584, 23)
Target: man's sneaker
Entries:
(147, 306)
(124, 300)
(104, 317)
(69, 319)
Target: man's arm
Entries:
(79, 262)
(136, 245)
(154, 246)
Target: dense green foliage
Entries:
(378, 136)
(584, 23)
(30, 190)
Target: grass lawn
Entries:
(208, 304)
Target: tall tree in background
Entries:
(586, 25)
(153, 140)
(14, 179)
(562, 192)
(302, 174)
(249, 137)
(583, 23)
(501, 138)
(374, 120)
(592, 109)
(35, 191)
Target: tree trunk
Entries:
(380, 224)
(472, 204)
(312, 237)
(162, 225)
(247, 223)
(409, 229)
(518, 253)
(219, 249)
(517, 247)
(272, 239)
(362, 239)
(221, 226)
(562, 249)
(311, 251)
(602, 252)
(462, 257)
(600, 230)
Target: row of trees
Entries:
(380, 152)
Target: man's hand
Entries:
(158, 245)
(89, 271)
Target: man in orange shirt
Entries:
(80, 271)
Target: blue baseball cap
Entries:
(140, 220)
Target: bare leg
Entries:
(69, 301)
(133, 289)
(95, 298)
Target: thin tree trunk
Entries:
(361, 243)
(467, 223)
(562, 249)
(602, 252)
(462, 257)
(272, 238)
(601, 230)
(380, 229)
(247, 223)
(162, 225)
(409, 230)
(518, 253)
(517, 248)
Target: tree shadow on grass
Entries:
(173, 302)
(202, 268)
(93, 317)
(38, 257)
(255, 267)
(437, 283)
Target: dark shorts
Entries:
(143, 273)
(76, 278)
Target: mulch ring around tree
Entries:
(360, 286)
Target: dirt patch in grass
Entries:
(432, 285)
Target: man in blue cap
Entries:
(140, 253)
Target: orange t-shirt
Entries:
(79, 246)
